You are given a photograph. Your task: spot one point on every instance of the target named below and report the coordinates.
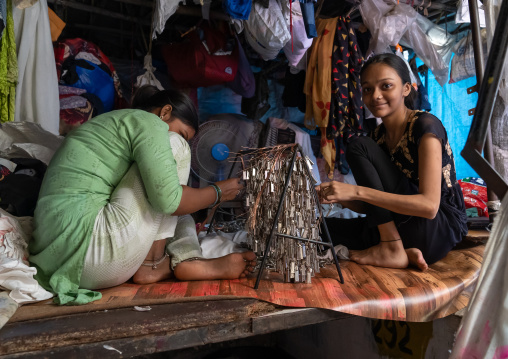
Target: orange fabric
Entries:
(56, 24)
(318, 87)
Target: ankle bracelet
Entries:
(393, 240)
(155, 263)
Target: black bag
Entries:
(19, 191)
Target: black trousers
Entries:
(372, 168)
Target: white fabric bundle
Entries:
(16, 275)
(37, 98)
(266, 30)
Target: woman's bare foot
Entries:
(385, 254)
(232, 266)
(148, 274)
(416, 259)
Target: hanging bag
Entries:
(207, 57)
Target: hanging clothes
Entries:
(37, 90)
(307, 7)
(3, 16)
(346, 106)
(318, 87)
(8, 69)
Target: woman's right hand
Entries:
(230, 188)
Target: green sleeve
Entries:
(151, 150)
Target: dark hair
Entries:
(149, 97)
(402, 70)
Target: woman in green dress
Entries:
(114, 204)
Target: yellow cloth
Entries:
(318, 87)
(8, 69)
(56, 24)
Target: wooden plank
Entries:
(165, 327)
(99, 11)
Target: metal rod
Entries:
(327, 233)
(304, 239)
(485, 106)
(480, 66)
(275, 221)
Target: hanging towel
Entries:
(318, 87)
(346, 109)
(37, 90)
(8, 69)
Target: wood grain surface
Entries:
(373, 292)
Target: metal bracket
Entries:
(471, 111)
(472, 89)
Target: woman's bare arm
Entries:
(194, 199)
(424, 204)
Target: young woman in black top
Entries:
(406, 181)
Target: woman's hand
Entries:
(230, 188)
(332, 192)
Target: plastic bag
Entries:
(463, 64)
(390, 24)
(462, 15)
(295, 48)
(475, 194)
(266, 30)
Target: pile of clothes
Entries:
(89, 84)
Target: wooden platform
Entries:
(186, 313)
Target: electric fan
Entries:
(218, 141)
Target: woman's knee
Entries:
(360, 146)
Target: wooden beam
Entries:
(101, 29)
(144, 3)
(166, 327)
(99, 11)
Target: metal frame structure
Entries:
(274, 233)
(480, 126)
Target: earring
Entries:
(161, 117)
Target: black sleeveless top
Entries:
(405, 157)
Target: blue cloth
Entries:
(3, 16)
(238, 9)
(307, 7)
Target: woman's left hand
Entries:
(332, 192)
(230, 188)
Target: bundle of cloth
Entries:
(89, 84)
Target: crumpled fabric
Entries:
(8, 69)
(219, 244)
(15, 274)
(148, 78)
(163, 11)
(318, 87)
(483, 332)
(28, 140)
(296, 48)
